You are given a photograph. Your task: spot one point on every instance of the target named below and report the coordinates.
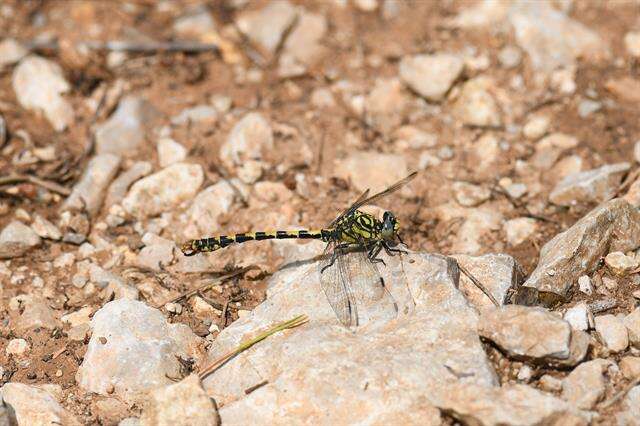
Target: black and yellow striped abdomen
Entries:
(354, 228)
(215, 243)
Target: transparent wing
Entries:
(362, 197)
(354, 288)
(334, 284)
(363, 200)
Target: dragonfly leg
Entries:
(393, 251)
(374, 252)
(336, 252)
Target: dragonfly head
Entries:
(390, 226)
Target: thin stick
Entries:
(294, 322)
(51, 186)
(203, 287)
(478, 284)
(136, 47)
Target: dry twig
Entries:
(51, 186)
(205, 286)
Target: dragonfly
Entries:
(349, 275)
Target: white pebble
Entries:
(585, 285)
(17, 347)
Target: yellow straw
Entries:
(294, 322)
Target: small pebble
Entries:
(636, 151)
(64, 260)
(470, 195)
(621, 264)
(609, 283)
(613, 332)
(445, 153)
(632, 43)
(536, 127)
(174, 308)
(510, 56)
(585, 285)
(525, 373)
(630, 367)
(170, 151)
(578, 317)
(550, 383)
(17, 347)
(588, 107)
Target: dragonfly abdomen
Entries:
(221, 241)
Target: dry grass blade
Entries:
(294, 322)
(203, 287)
(478, 284)
(51, 186)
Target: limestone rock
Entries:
(551, 39)
(356, 168)
(133, 349)
(170, 151)
(11, 51)
(39, 85)
(119, 187)
(90, 190)
(181, 404)
(510, 328)
(209, 204)
(163, 190)
(124, 131)
(613, 226)
(596, 185)
(249, 139)
(470, 195)
(302, 48)
(507, 405)
(497, 272)
(431, 76)
(632, 322)
(613, 332)
(16, 239)
(266, 26)
(476, 105)
(578, 316)
(621, 264)
(630, 367)
(35, 406)
(435, 327)
(585, 385)
(519, 230)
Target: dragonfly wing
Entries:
(354, 288)
(371, 297)
(333, 280)
(364, 200)
(362, 196)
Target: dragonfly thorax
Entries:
(358, 227)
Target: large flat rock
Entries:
(383, 370)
